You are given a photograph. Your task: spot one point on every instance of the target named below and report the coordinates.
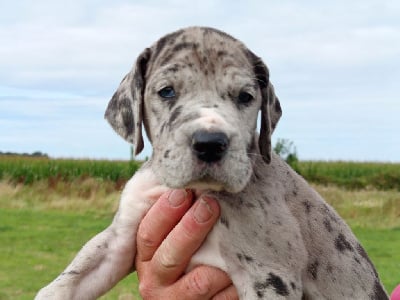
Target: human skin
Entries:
(168, 236)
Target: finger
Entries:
(230, 293)
(159, 221)
(171, 258)
(203, 282)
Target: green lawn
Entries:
(383, 247)
(36, 245)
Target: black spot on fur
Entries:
(140, 73)
(357, 260)
(364, 255)
(273, 281)
(260, 70)
(222, 53)
(277, 283)
(125, 107)
(168, 39)
(277, 107)
(328, 225)
(342, 244)
(162, 128)
(259, 288)
(166, 154)
(248, 259)
(138, 82)
(224, 221)
(313, 269)
(71, 273)
(307, 206)
(182, 46)
(379, 292)
(293, 285)
(167, 59)
(174, 69)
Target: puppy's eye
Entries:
(167, 92)
(245, 98)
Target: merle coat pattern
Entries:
(276, 237)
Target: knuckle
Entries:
(228, 294)
(144, 238)
(146, 289)
(167, 259)
(199, 283)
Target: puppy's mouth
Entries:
(205, 183)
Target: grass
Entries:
(351, 175)
(50, 208)
(27, 170)
(364, 208)
(382, 246)
(36, 245)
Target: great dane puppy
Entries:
(198, 92)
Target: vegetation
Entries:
(35, 246)
(351, 175)
(27, 170)
(287, 150)
(49, 208)
(34, 154)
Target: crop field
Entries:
(27, 170)
(351, 175)
(50, 208)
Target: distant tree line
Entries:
(287, 151)
(33, 154)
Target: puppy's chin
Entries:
(206, 185)
(213, 185)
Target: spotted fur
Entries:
(276, 237)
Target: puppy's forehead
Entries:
(203, 45)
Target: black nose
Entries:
(209, 146)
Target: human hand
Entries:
(168, 236)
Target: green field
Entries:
(354, 175)
(49, 208)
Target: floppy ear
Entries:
(270, 108)
(125, 109)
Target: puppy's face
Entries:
(201, 92)
(201, 103)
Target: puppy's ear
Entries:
(270, 107)
(125, 110)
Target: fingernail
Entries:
(177, 197)
(202, 212)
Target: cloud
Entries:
(61, 63)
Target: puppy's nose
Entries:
(209, 146)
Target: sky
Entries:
(335, 66)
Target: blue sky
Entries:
(335, 66)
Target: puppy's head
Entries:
(198, 92)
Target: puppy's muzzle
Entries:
(209, 147)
